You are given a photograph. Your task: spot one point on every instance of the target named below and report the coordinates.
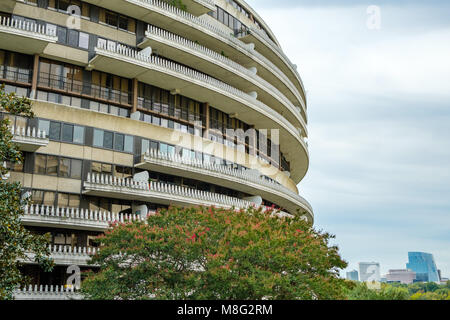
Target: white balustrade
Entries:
(158, 62)
(28, 132)
(28, 26)
(244, 174)
(178, 40)
(164, 189)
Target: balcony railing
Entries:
(46, 293)
(15, 74)
(154, 32)
(166, 9)
(29, 139)
(74, 217)
(27, 28)
(160, 190)
(153, 62)
(244, 176)
(67, 255)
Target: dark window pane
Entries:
(62, 35)
(67, 133)
(55, 131)
(108, 140)
(119, 142)
(73, 38)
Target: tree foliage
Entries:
(210, 253)
(397, 291)
(15, 240)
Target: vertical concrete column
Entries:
(35, 77)
(135, 95)
(252, 142)
(207, 116)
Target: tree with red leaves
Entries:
(216, 254)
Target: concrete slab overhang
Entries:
(291, 202)
(73, 218)
(24, 38)
(216, 65)
(29, 140)
(160, 14)
(8, 5)
(29, 144)
(140, 7)
(273, 52)
(169, 76)
(65, 256)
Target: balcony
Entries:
(216, 65)
(140, 9)
(163, 15)
(168, 75)
(157, 192)
(73, 218)
(29, 140)
(269, 49)
(246, 181)
(24, 37)
(67, 256)
(46, 293)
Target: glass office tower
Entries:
(424, 266)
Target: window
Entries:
(119, 141)
(70, 168)
(55, 131)
(46, 198)
(116, 141)
(78, 135)
(108, 140)
(98, 138)
(84, 40)
(52, 166)
(67, 133)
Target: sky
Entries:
(378, 120)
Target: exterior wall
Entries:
(82, 224)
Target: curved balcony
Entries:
(194, 7)
(67, 256)
(157, 192)
(73, 218)
(193, 84)
(29, 140)
(24, 37)
(246, 181)
(46, 293)
(163, 15)
(216, 65)
(268, 48)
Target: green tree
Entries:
(387, 292)
(15, 240)
(210, 253)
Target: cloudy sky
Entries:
(379, 122)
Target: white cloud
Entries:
(378, 120)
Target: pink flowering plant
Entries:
(211, 253)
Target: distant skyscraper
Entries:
(424, 266)
(352, 275)
(401, 275)
(369, 271)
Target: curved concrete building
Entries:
(141, 104)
